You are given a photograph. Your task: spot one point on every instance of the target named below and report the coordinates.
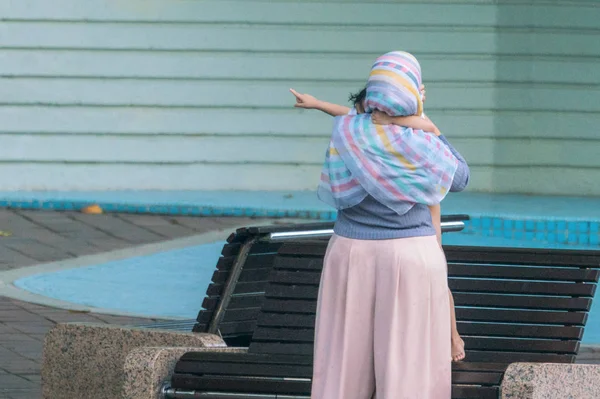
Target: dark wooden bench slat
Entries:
(521, 345)
(240, 384)
(231, 315)
(240, 288)
(274, 304)
(188, 382)
(247, 275)
(521, 316)
(523, 256)
(230, 328)
(244, 369)
(245, 358)
(254, 261)
(521, 301)
(307, 248)
(241, 301)
(471, 329)
(271, 359)
(475, 355)
(291, 387)
(520, 287)
(460, 299)
(521, 331)
(480, 366)
(463, 284)
(522, 273)
(289, 334)
(303, 371)
(298, 263)
(258, 248)
(476, 378)
(468, 270)
(464, 314)
(295, 277)
(513, 357)
(289, 305)
(492, 255)
(474, 392)
(292, 291)
(282, 348)
(286, 320)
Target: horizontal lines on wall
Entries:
(152, 89)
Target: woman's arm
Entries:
(414, 122)
(462, 175)
(307, 101)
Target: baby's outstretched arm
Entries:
(414, 121)
(310, 102)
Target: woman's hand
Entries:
(305, 100)
(381, 118)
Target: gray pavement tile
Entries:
(23, 394)
(158, 225)
(12, 381)
(205, 224)
(24, 347)
(59, 222)
(23, 367)
(35, 249)
(17, 315)
(118, 228)
(10, 257)
(33, 328)
(109, 244)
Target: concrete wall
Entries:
(547, 136)
(192, 94)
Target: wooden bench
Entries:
(235, 296)
(513, 305)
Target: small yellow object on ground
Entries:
(5, 233)
(92, 210)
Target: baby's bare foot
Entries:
(458, 349)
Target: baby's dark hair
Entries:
(358, 98)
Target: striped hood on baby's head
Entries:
(395, 165)
(393, 85)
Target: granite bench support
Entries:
(551, 381)
(147, 369)
(86, 360)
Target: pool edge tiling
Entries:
(520, 221)
(548, 220)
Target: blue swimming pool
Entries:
(144, 285)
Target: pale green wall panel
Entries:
(192, 94)
(563, 103)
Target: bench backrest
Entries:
(250, 253)
(239, 315)
(512, 305)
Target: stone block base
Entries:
(86, 360)
(147, 369)
(551, 381)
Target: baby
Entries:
(381, 118)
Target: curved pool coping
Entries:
(9, 289)
(9, 277)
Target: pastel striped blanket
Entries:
(398, 166)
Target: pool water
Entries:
(172, 284)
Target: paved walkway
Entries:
(41, 236)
